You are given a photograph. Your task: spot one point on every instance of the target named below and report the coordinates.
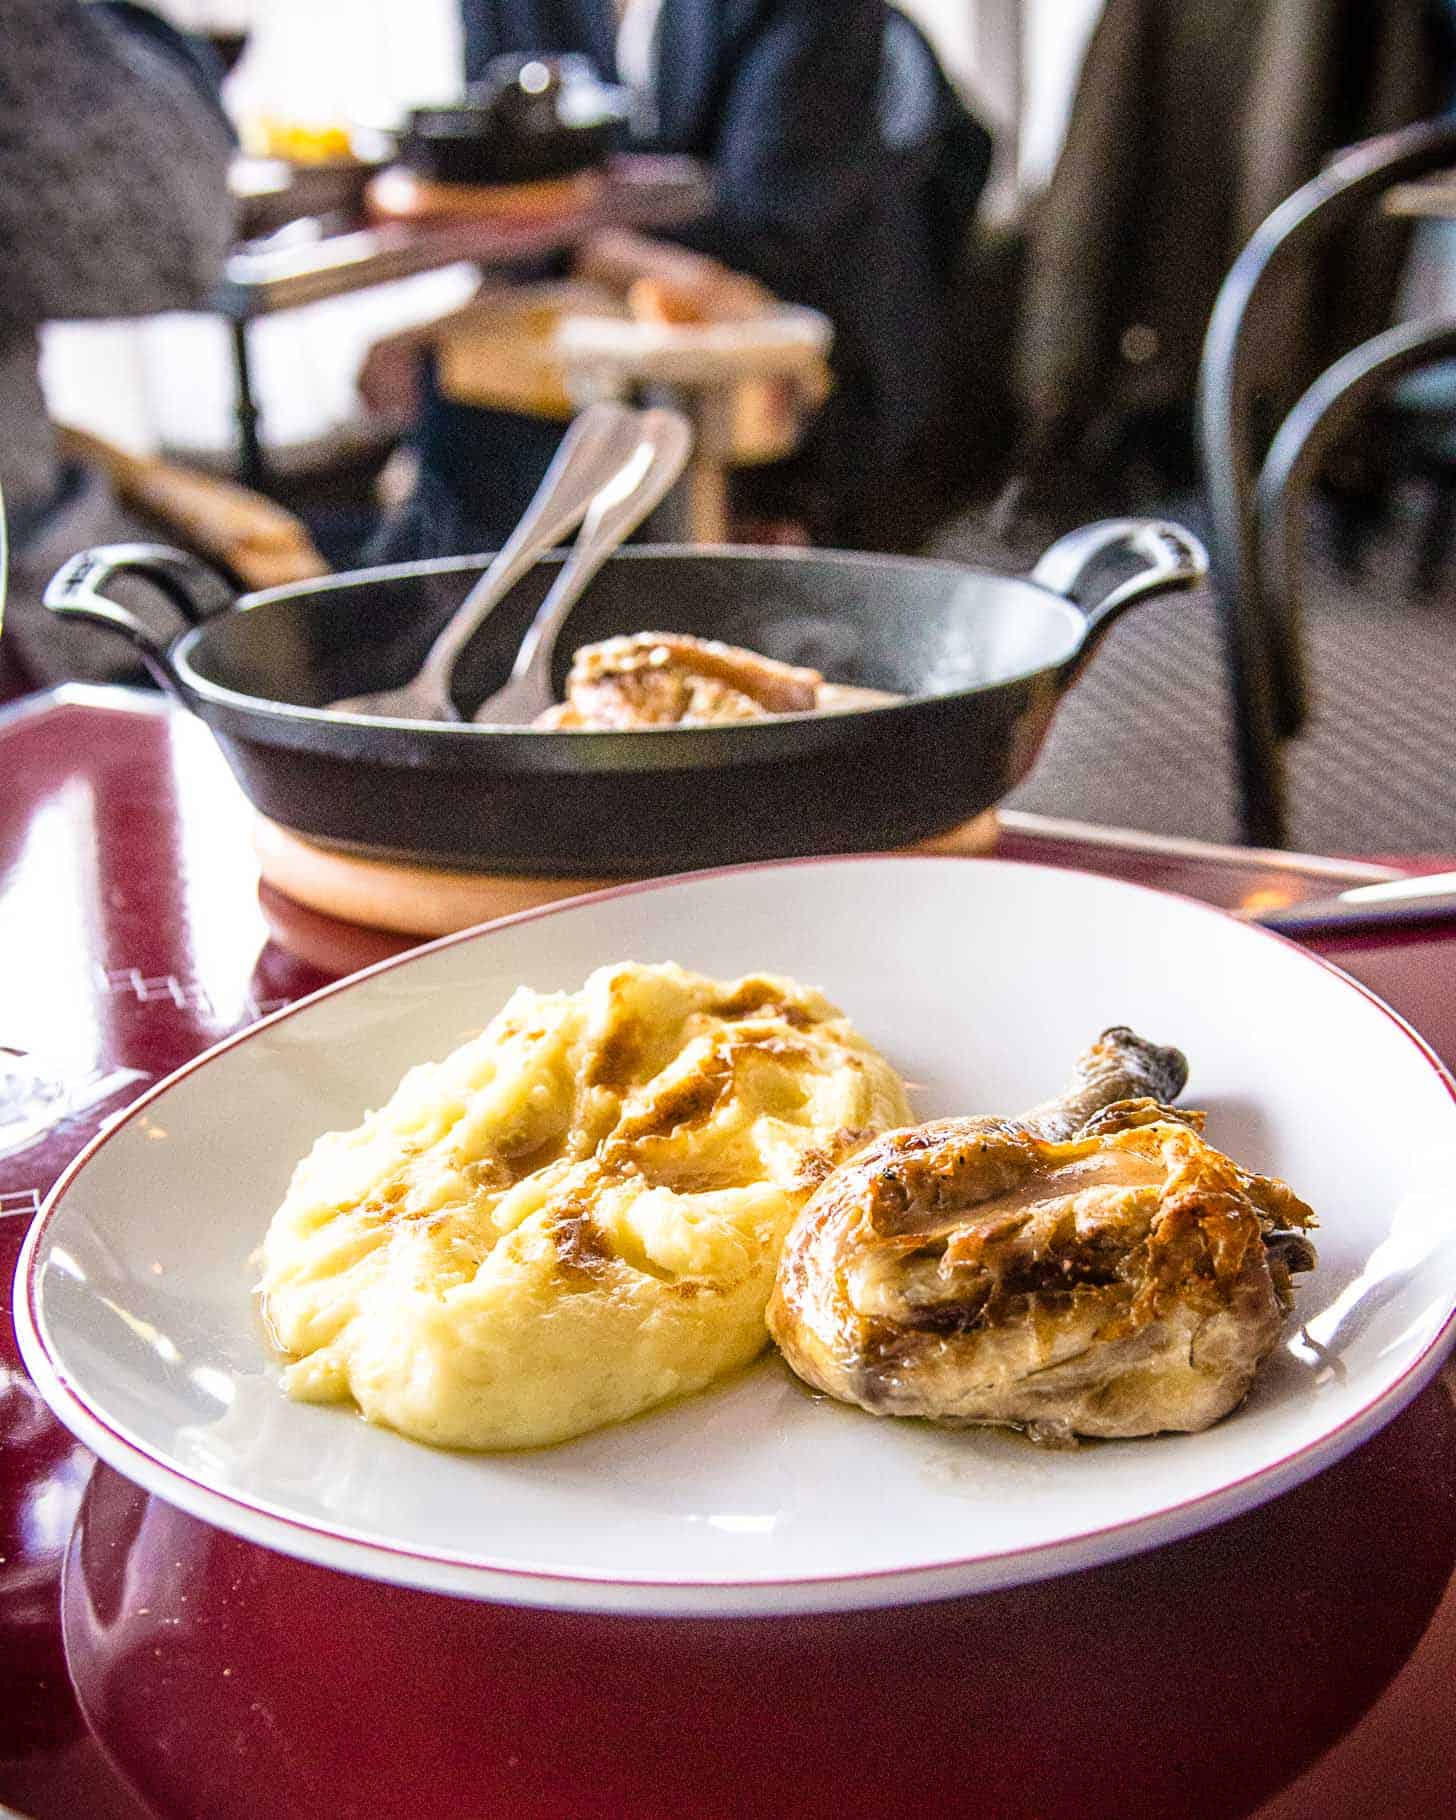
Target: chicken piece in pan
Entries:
(659, 679)
(1090, 1268)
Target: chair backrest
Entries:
(1228, 426)
(1234, 431)
(1337, 400)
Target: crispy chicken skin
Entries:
(660, 679)
(1091, 1268)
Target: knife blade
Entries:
(1399, 900)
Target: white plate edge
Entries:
(581, 1592)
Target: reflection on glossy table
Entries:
(1308, 1647)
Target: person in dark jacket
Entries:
(846, 172)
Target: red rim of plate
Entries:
(1281, 1474)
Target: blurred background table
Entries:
(1432, 199)
(311, 257)
(1298, 1663)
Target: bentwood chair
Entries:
(1257, 482)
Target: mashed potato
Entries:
(575, 1216)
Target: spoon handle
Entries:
(594, 447)
(641, 484)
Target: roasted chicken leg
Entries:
(1090, 1268)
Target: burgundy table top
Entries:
(1299, 1661)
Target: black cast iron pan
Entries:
(982, 659)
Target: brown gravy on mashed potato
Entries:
(575, 1216)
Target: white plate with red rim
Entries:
(981, 980)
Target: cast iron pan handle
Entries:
(195, 590)
(1169, 558)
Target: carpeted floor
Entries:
(1143, 741)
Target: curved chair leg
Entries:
(1258, 764)
(1341, 394)
(1259, 684)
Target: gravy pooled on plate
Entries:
(575, 1216)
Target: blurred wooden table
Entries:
(1432, 199)
(313, 260)
(1308, 1647)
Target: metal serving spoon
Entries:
(664, 442)
(593, 451)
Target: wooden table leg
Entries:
(696, 511)
(706, 480)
